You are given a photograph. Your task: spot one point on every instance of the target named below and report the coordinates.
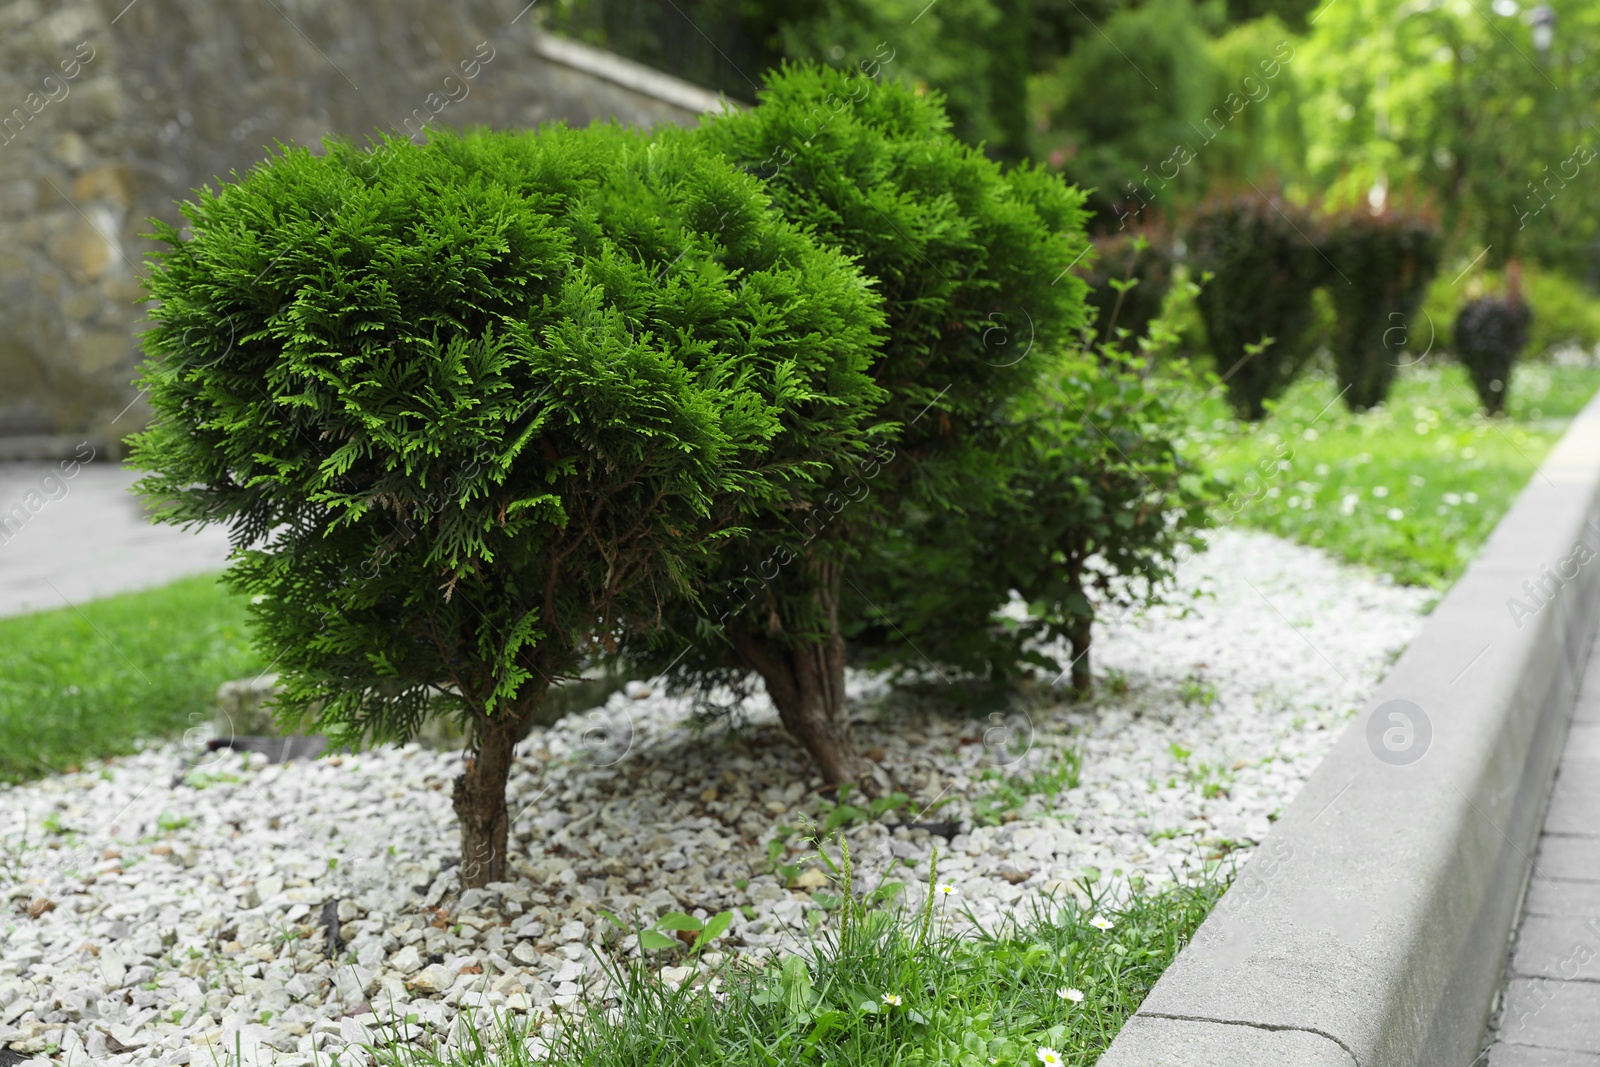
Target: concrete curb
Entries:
(1370, 928)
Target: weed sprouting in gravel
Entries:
(1060, 772)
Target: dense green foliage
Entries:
(1456, 101)
(1258, 303)
(1098, 504)
(1129, 281)
(1383, 264)
(1155, 106)
(1125, 101)
(997, 996)
(968, 257)
(1490, 333)
(85, 683)
(973, 265)
(468, 409)
(435, 374)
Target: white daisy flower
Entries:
(946, 889)
(892, 1000)
(1049, 1057)
(1068, 993)
(1100, 922)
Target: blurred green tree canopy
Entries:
(1471, 110)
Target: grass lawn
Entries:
(1412, 488)
(882, 987)
(84, 683)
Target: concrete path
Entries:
(64, 540)
(1550, 1014)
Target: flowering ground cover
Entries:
(1412, 487)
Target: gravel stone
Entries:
(185, 912)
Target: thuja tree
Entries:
(1384, 264)
(470, 409)
(973, 264)
(1099, 503)
(1258, 304)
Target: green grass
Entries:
(1412, 488)
(84, 683)
(972, 1000)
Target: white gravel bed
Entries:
(143, 920)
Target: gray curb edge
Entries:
(1369, 929)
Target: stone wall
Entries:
(111, 111)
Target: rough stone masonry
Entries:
(111, 111)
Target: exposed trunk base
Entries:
(807, 687)
(479, 798)
(806, 684)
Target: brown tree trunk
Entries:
(806, 684)
(479, 797)
(1079, 635)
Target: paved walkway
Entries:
(1551, 1013)
(66, 540)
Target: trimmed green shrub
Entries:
(973, 263)
(1383, 265)
(471, 409)
(1258, 303)
(1490, 332)
(1565, 312)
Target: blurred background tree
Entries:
(1472, 112)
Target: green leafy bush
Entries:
(1382, 267)
(1098, 505)
(1490, 332)
(1129, 281)
(1258, 304)
(470, 409)
(973, 264)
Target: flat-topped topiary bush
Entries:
(472, 409)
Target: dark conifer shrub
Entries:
(1258, 304)
(1384, 264)
(1490, 333)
